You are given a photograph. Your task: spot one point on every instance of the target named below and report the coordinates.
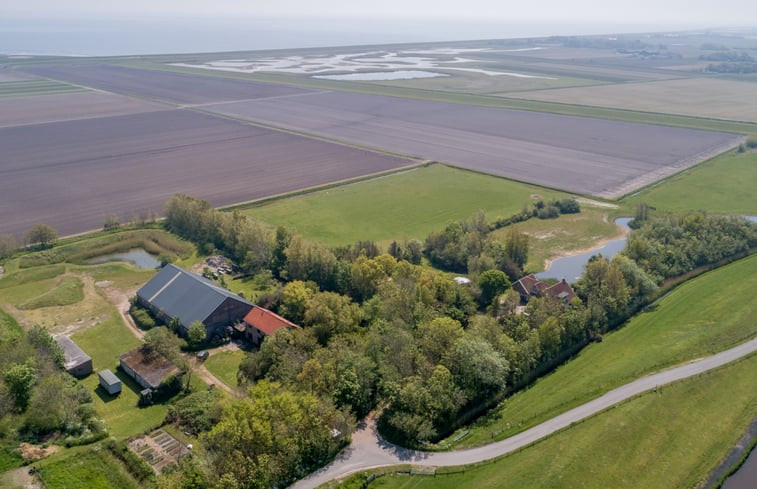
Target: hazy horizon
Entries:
(157, 34)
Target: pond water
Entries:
(571, 267)
(751, 218)
(746, 476)
(137, 257)
(382, 75)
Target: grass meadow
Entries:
(407, 205)
(91, 467)
(670, 438)
(700, 317)
(725, 184)
(225, 365)
(69, 290)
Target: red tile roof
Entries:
(526, 285)
(266, 321)
(560, 290)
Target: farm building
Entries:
(109, 382)
(530, 286)
(261, 322)
(177, 293)
(150, 369)
(76, 362)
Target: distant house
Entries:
(561, 290)
(148, 368)
(76, 362)
(178, 293)
(530, 286)
(109, 382)
(261, 322)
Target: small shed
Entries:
(109, 382)
(76, 362)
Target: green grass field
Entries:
(725, 184)
(701, 317)
(225, 365)
(672, 438)
(26, 88)
(399, 206)
(87, 467)
(105, 343)
(69, 290)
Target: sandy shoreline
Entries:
(598, 245)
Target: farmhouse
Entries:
(148, 368)
(109, 382)
(260, 322)
(177, 293)
(530, 286)
(76, 362)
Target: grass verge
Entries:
(672, 438)
(701, 317)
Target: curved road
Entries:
(369, 450)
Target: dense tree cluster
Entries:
(380, 330)
(37, 397)
(673, 245)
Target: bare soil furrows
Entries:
(579, 154)
(73, 174)
(162, 85)
(69, 106)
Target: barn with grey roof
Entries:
(178, 293)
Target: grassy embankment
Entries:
(673, 437)
(225, 365)
(400, 206)
(701, 317)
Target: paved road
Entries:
(369, 450)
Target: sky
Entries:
(674, 12)
(126, 27)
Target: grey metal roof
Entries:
(182, 294)
(109, 377)
(74, 356)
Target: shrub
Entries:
(142, 317)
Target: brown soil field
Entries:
(583, 155)
(163, 85)
(69, 106)
(703, 97)
(72, 174)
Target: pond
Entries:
(571, 267)
(137, 257)
(382, 75)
